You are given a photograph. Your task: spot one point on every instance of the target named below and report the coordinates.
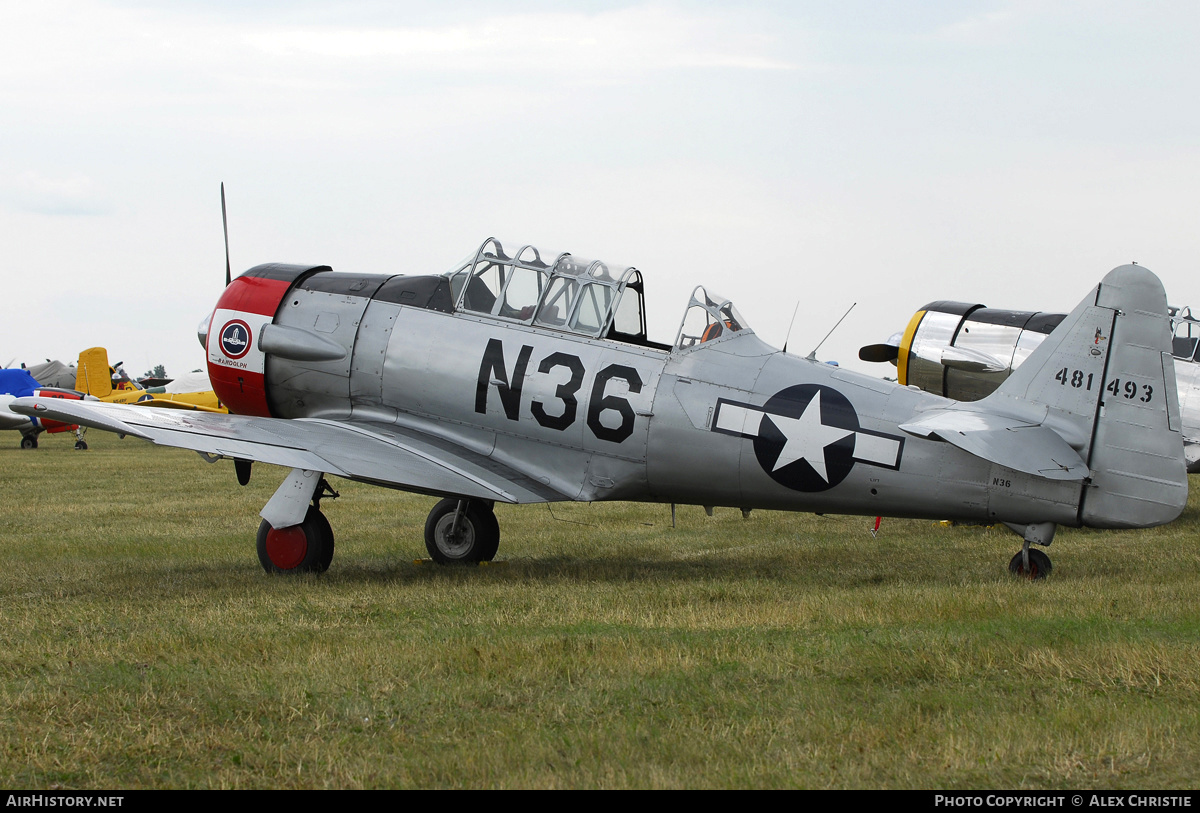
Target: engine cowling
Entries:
(236, 362)
(965, 351)
(284, 340)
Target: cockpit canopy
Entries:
(709, 316)
(586, 297)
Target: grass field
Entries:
(142, 646)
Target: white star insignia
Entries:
(807, 438)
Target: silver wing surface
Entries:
(385, 455)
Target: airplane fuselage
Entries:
(729, 422)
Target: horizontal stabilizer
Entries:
(1010, 442)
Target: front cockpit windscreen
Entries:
(709, 316)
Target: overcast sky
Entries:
(819, 153)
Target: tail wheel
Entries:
(1039, 565)
(303, 548)
(454, 537)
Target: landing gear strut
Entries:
(462, 532)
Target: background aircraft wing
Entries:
(385, 455)
(1021, 445)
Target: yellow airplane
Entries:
(94, 376)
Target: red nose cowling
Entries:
(236, 367)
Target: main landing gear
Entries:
(303, 548)
(29, 441)
(457, 531)
(462, 532)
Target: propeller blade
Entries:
(225, 226)
(879, 352)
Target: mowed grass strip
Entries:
(143, 646)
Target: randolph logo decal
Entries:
(807, 437)
(235, 338)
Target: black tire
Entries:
(478, 536)
(81, 445)
(1039, 565)
(326, 530)
(303, 548)
(28, 442)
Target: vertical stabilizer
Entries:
(1105, 381)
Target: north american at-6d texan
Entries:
(524, 377)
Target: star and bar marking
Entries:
(807, 437)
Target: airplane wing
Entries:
(1021, 445)
(385, 455)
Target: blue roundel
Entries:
(235, 339)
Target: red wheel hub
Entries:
(287, 547)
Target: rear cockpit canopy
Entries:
(709, 316)
(586, 297)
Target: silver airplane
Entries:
(964, 351)
(523, 377)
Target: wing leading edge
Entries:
(391, 456)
